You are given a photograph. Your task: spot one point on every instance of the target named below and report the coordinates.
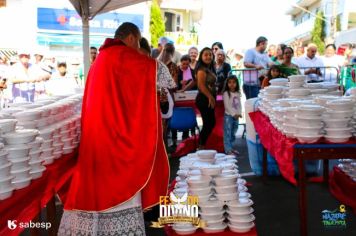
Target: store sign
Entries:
(175, 209)
(69, 20)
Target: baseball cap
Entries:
(23, 51)
(164, 40)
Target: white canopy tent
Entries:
(88, 9)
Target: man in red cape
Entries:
(122, 156)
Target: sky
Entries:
(238, 23)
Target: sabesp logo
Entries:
(11, 224)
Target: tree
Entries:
(338, 23)
(157, 27)
(318, 32)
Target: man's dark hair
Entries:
(93, 48)
(145, 45)
(185, 57)
(287, 47)
(125, 29)
(169, 47)
(62, 63)
(331, 45)
(218, 44)
(261, 39)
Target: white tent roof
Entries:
(95, 7)
(88, 9)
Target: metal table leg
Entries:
(302, 197)
(326, 171)
(264, 166)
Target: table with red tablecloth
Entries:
(170, 232)
(25, 204)
(285, 150)
(276, 143)
(343, 187)
(215, 140)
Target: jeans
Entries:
(250, 90)
(208, 117)
(230, 128)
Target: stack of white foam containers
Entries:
(34, 136)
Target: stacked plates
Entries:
(212, 212)
(323, 99)
(310, 124)
(214, 179)
(6, 187)
(183, 228)
(337, 120)
(18, 149)
(290, 122)
(7, 125)
(299, 93)
(240, 215)
(279, 82)
(28, 118)
(296, 81)
(45, 130)
(274, 92)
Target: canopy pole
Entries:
(86, 47)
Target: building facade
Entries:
(182, 21)
(56, 28)
(303, 14)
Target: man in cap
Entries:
(42, 69)
(258, 60)
(4, 71)
(161, 43)
(24, 76)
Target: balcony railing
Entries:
(183, 38)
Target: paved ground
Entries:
(275, 205)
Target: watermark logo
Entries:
(12, 224)
(175, 209)
(335, 218)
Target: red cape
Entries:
(121, 149)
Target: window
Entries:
(168, 17)
(173, 21)
(178, 22)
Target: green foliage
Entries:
(318, 32)
(157, 27)
(338, 23)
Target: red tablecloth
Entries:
(215, 140)
(25, 204)
(343, 188)
(170, 232)
(276, 143)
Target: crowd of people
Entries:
(25, 79)
(122, 167)
(208, 73)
